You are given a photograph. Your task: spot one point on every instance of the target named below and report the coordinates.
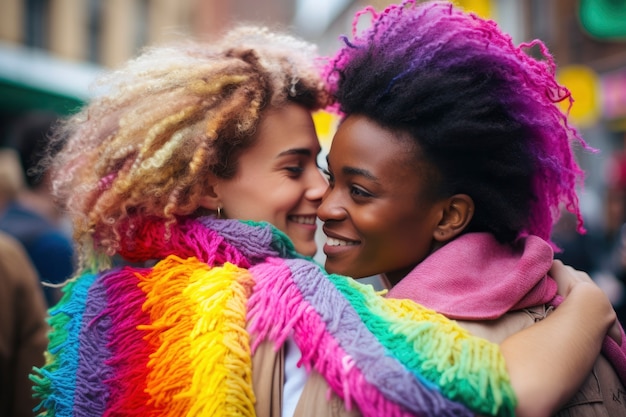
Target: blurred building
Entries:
(588, 40)
(51, 49)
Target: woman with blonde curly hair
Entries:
(197, 166)
(172, 118)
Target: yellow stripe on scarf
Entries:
(201, 363)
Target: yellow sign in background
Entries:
(482, 8)
(583, 83)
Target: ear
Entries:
(457, 213)
(210, 198)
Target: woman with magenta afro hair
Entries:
(482, 109)
(448, 172)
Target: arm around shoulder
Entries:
(549, 361)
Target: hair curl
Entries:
(482, 111)
(145, 145)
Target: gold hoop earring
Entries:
(219, 212)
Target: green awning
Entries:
(32, 79)
(18, 98)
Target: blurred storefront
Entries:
(76, 37)
(51, 49)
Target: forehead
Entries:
(361, 142)
(287, 127)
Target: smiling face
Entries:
(378, 213)
(278, 179)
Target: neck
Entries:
(394, 277)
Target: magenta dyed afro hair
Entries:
(482, 110)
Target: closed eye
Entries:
(294, 170)
(359, 192)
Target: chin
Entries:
(307, 250)
(340, 269)
(330, 268)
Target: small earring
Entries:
(219, 211)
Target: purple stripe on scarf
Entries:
(91, 394)
(379, 368)
(254, 242)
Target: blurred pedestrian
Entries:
(23, 328)
(32, 216)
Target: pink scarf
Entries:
(476, 278)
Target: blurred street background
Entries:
(50, 51)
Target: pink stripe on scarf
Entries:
(277, 307)
(130, 357)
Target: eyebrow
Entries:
(297, 151)
(360, 172)
(356, 171)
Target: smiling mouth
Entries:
(303, 219)
(339, 242)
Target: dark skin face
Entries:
(379, 215)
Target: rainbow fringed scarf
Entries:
(177, 338)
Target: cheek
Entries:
(285, 196)
(408, 236)
(372, 219)
(248, 203)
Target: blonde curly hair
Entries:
(160, 125)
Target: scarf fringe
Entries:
(55, 382)
(279, 307)
(197, 316)
(462, 366)
(190, 238)
(129, 351)
(178, 344)
(89, 400)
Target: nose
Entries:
(330, 209)
(317, 186)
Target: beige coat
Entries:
(268, 379)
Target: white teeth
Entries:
(303, 219)
(336, 242)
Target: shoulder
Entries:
(497, 330)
